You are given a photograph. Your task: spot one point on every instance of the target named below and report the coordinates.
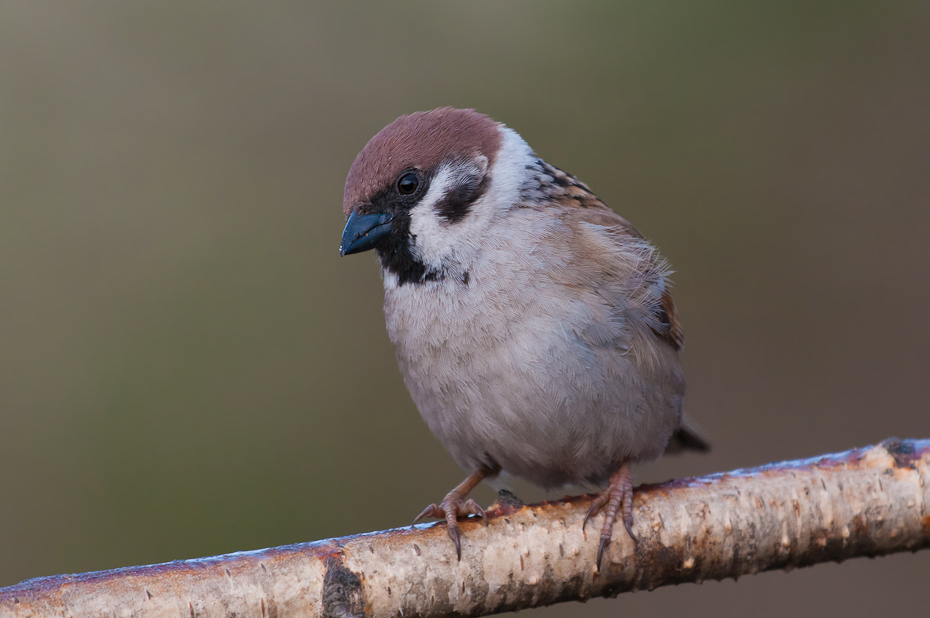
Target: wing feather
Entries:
(582, 205)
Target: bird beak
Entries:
(364, 232)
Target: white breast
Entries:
(501, 369)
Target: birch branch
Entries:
(863, 502)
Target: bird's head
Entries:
(423, 190)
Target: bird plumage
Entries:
(534, 327)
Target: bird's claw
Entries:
(628, 522)
(605, 541)
(432, 510)
(596, 505)
(450, 509)
(618, 498)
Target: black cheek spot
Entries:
(456, 203)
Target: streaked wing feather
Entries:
(572, 193)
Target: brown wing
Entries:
(668, 317)
(569, 191)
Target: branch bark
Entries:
(862, 502)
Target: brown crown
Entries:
(421, 140)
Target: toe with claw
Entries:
(454, 505)
(450, 509)
(618, 498)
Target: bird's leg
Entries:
(454, 506)
(618, 497)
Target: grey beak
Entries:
(364, 232)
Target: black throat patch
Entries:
(397, 257)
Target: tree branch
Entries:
(863, 502)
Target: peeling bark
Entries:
(863, 502)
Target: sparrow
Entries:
(533, 325)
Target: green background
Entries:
(187, 367)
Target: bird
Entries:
(534, 327)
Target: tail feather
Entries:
(688, 437)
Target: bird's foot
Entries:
(618, 498)
(454, 505)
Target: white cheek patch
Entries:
(443, 244)
(425, 226)
(450, 247)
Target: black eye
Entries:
(408, 183)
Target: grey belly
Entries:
(554, 419)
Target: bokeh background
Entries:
(188, 368)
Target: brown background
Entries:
(187, 367)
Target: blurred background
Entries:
(188, 368)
